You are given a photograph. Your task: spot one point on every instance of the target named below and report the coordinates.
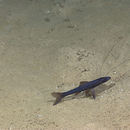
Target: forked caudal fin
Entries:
(58, 97)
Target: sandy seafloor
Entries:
(52, 45)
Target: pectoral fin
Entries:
(90, 92)
(87, 92)
(93, 93)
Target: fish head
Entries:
(104, 79)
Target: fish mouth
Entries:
(106, 78)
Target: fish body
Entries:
(82, 87)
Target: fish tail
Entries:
(58, 96)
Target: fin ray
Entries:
(58, 97)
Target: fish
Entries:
(84, 86)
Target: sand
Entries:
(52, 45)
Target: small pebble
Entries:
(121, 90)
(114, 72)
(48, 11)
(39, 115)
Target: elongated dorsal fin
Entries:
(83, 82)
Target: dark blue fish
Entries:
(84, 86)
